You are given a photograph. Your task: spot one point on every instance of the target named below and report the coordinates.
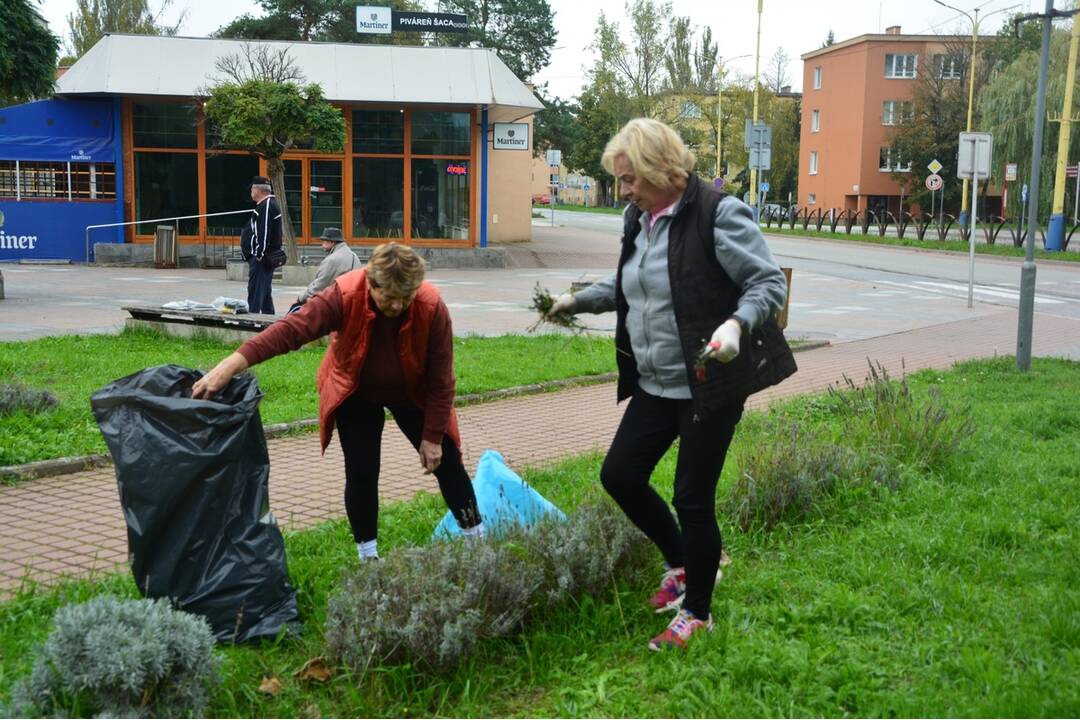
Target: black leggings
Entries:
(649, 427)
(360, 425)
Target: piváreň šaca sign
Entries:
(385, 20)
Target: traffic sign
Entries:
(975, 156)
(934, 166)
(934, 182)
(1023, 193)
(719, 183)
(1072, 171)
(760, 158)
(585, 187)
(1010, 172)
(764, 187)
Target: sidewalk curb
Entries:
(11, 474)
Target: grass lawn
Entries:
(74, 367)
(1003, 247)
(953, 594)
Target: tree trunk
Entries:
(276, 168)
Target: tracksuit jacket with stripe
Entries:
(264, 229)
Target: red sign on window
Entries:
(457, 169)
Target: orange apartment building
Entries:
(853, 92)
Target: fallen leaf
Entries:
(312, 711)
(314, 670)
(270, 685)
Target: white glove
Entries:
(565, 303)
(725, 341)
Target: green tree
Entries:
(303, 20)
(929, 128)
(263, 108)
(556, 126)
(830, 39)
(521, 32)
(1006, 109)
(28, 55)
(776, 76)
(637, 64)
(93, 18)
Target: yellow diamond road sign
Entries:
(934, 166)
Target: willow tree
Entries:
(264, 108)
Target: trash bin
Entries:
(782, 313)
(166, 250)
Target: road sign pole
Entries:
(971, 234)
(1076, 195)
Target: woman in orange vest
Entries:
(393, 350)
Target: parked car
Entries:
(541, 200)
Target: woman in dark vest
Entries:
(695, 293)
(392, 350)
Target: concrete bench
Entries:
(205, 323)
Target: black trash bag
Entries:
(193, 487)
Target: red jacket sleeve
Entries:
(319, 316)
(440, 376)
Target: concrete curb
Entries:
(10, 474)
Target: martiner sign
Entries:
(384, 20)
(511, 136)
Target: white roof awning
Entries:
(348, 73)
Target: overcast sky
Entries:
(798, 26)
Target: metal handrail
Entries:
(176, 220)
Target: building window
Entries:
(900, 66)
(949, 67)
(21, 179)
(227, 183)
(166, 185)
(811, 199)
(689, 111)
(817, 78)
(890, 159)
(378, 191)
(896, 112)
(440, 199)
(440, 133)
(813, 162)
(380, 132)
(164, 125)
(815, 121)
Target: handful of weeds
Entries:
(542, 302)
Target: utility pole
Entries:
(757, 64)
(1027, 272)
(1055, 232)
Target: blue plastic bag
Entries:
(503, 498)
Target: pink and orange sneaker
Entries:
(672, 589)
(679, 631)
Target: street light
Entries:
(719, 99)
(971, 83)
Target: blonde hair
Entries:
(654, 150)
(395, 268)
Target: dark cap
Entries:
(332, 234)
(260, 180)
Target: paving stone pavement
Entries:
(72, 525)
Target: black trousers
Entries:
(259, 280)
(360, 425)
(648, 428)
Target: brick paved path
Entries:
(72, 524)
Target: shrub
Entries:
(122, 658)
(885, 415)
(16, 397)
(433, 604)
(783, 478)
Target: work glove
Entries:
(565, 303)
(725, 341)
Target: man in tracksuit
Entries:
(261, 237)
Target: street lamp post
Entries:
(719, 115)
(971, 85)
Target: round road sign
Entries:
(934, 182)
